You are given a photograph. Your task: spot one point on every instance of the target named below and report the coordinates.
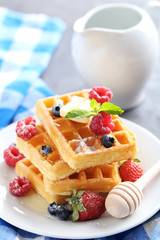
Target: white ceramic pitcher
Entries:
(116, 45)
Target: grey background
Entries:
(61, 74)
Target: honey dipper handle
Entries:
(148, 176)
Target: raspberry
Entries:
(101, 124)
(26, 128)
(19, 186)
(101, 94)
(12, 155)
(107, 121)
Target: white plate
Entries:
(14, 211)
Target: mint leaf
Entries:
(110, 108)
(94, 104)
(79, 113)
(107, 107)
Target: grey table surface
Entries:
(61, 74)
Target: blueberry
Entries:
(52, 208)
(56, 109)
(12, 144)
(45, 149)
(107, 140)
(62, 212)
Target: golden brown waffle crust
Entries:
(24, 168)
(125, 143)
(97, 179)
(52, 166)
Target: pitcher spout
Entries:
(79, 25)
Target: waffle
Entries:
(97, 179)
(77, 145)
(25, 168)
(50, 165)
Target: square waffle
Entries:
(51, 165)
(97, 179)
(77, 145)
(25, 168)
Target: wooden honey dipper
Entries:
(126, 197)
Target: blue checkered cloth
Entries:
(27, 42)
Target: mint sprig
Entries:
(94, 104)
(106, 107)
(79, 113)
(110, 108)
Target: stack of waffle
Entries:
(78, 159)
